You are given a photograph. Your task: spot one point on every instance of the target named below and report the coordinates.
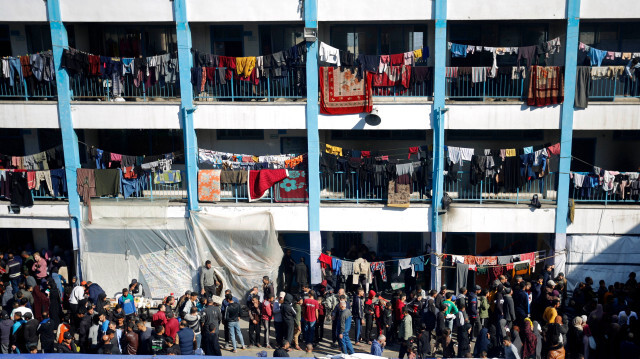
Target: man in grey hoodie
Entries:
(208, 281)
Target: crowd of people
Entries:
(532, 317)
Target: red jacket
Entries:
(398, 314)
(160, 318)
(266, 310)
(171, 328)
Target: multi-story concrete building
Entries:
(281, 115)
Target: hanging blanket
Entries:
(342, 92)
(260, 181)
(393, 76)
(209, 185)
(399, 195)
(546, 86)
(293, 188)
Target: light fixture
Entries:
(372, 119)
(310, 34)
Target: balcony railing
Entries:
(96, 89)
(29, 89)
(598, 195)
(487, 190)
(346, 187)
(611, 88)
(503, 86)
(399, 93)
(292, 85)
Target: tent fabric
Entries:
(611, 258)
(165, 254)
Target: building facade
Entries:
(281, 115)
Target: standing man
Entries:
(288, 267)
(231, 316)
(358, 312)
(266, 314)
(39, 267)
(310, 316)
(344, 326)
(208, 280)
(127, 303)
(302, 274)
(267, 288)
(13, 270)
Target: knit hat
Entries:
(372, 294)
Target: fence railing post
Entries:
(24, 87)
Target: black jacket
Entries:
(83, 330)
(47, 337)
(521, 303)
(31, 331)
(509, 311)
(288, 313)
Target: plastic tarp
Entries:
(165, 254)
(611, 258)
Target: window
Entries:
(379, 39)
(399, 243)
(38, 38)
(5, 41)
(346, 243)
(240, 134)
(227, 40)
(131, 40)
(278, 38)
(377, 135)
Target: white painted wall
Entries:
(116, 10)
(23, 10)
(54, 215)
(285, 218)
(505, 219)
(468, 116)
(374, 218)
(31, 115)
(395, 116)
(250, 115)
(613, 219)
(374, 10)
(96, 115)
(602, 9)
(248, 10)
(607, 115)
(505, 9)
(270, 145)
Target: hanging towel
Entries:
(404, 264)
(209, 185)
(462, 274)
(260, 181)
(334, 150)
(458, 50)
(329, 54)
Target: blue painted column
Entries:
(566, 129)
(59, 41)
(313, 142)
(185, 61)
(437, 116)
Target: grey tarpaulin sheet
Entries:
(601, 257)
(165, 254)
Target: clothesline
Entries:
(339, 151)
(451, 46)
(89, 147)
(52, 148)
(537, 260)
(596, 55)
(67, 47)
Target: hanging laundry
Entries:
(458, 50)
(546, 86)
(344, 93)
(209, 185)
(259, 182)
(329, 54)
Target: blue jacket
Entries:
(128, 304)
(94, 291)
(376, 348)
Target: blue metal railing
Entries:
(94, 88)
(463, 191)
(598, 195)
(238, 193)
(500, 87)
(610, 88)
(292, 85)
(336, 188)
(424, 89)
(29, 89)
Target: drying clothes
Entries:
(418, 263)
(458, 50)
(420, 74)
(466, 153)
(86, 183)
(504, 259)
(408, 58)
(554, 149)
(347, 268)
(361, 267)
(334, 150)
(393, 76)
(20, 194)
(58, 181)
(583, 85)
(336, 265)
(347, 59)
(610, 56)
(107, 182)
(596, 56)
(379, 266)
(527, 150)
(245, 65)
(341, 92)
(478, 74)
(404, 169)
(512, 177)
(259, 182)
(167, 177)
(528, 53)
(46, 177)
(454, 154)
(31, 180)
(403, 264)
(462, 275)
(233, 177)
(368, 63)
(530, 257)
(546, 86)
(384, 62)
(329, 54)
(420, 53)
(399, 195)
(209, 185)
(325, 260)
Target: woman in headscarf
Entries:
(55, 307)
(588, 344)
(574, 338)
(40, 303)
(515, 339)
(464, 344)
(529, 340)
(597, 326)
(482, 343)
(554, 340)
(495, 346)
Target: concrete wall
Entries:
(465, 116)
(39, 216)
(504, 219)
(605, 220)
(125, 115)
(601, 9)
(374, 10)
(248, 10)
(505, 9)
(23, 10)
(270, 145)
(250, 115)
(116, 11)
(611, 116)
(32, 115)
(394, 116)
